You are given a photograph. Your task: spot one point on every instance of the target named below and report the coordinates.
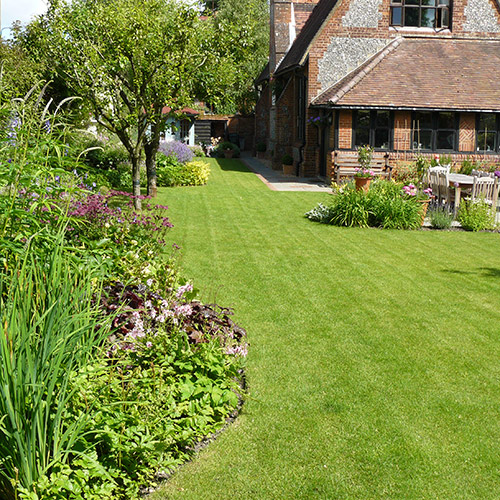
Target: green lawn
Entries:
(374, 368)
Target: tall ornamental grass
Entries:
(48, 333)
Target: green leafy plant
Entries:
(172, 173)
(224, 146)
(385, 205)
(287, 160)
(440, 218)
(261, 147)
(476, 215)
(48, 330)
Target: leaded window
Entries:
(435, 131)
(421, 13)
(372, 128)
(487, 132)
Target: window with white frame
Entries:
(421, 13)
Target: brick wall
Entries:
(262, 109)
(467, 133)
(345, 129)
(285, 123)
(402, 130)
(335, 28)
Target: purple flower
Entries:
(497, 173)
(178, 150)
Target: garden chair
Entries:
(446, 195)
(433, 183)
(486, 188)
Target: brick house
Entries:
(405, 76)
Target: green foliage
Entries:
(261, 147)
(406, 173)
(385, 205)
(440, 218)
(287, 160)
(157, 52)
(48, 330)
(365, 154)
(223, 146)
(242, 30)
(18, 73)
(172, 173)
(476, 215)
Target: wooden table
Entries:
(459, 181)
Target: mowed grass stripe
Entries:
(374, 354)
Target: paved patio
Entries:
(276, 181)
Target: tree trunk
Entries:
(136, 181)
(150, 150)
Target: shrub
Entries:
(405, 173)
(177, 150)
(287, 160)
(385, 205)
(321, 213)
(476, 215)
(223, 146)
(172, 173)
(261, 147)
(440, 218)
(198, 151)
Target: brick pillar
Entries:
(467, 132)
(402, 131)
(345, 129)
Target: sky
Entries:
(22, 10)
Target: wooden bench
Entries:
(345, 165)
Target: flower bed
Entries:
(110, 370)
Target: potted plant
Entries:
(261, 149)
(287, 163)
(228, 149)
(363, 174)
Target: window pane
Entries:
(422, 139)
(430, 3)
(445, 139)
(428, 18)
(411, 16)
(381, 138)
(487, 121)
(443, 19)
(486, 141)
(382, 119)
(446, 120)
(412, 2)
(362, 136)
(423, 119)
(396, 16)
(363, 119)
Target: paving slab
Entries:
(276, 181)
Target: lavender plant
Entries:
(180, 151)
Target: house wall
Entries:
(262, 109)
(358, 29)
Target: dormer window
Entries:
(421, 13)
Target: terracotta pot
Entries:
(362, 183)
(425, 206)
(288, 169)
(228, 153)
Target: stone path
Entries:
(276, 181)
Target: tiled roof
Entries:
(436, 73)
(300, 47)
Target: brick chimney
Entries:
(287, 19)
